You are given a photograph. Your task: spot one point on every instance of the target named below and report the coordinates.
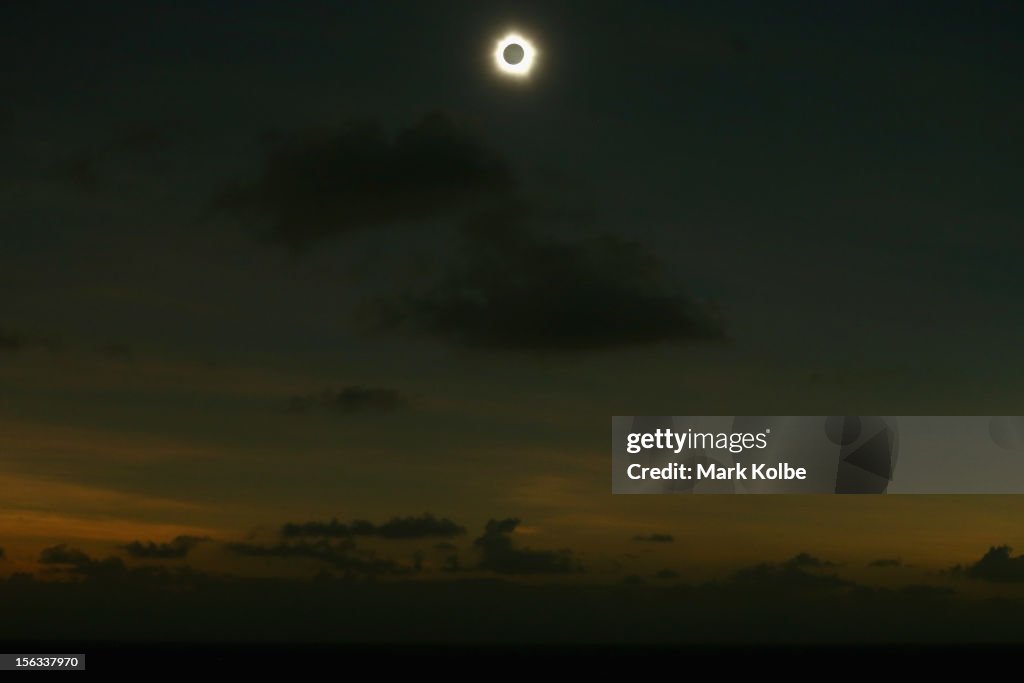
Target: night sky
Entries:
(307, 301)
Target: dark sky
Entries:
(267, 263)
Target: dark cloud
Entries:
(886, 562)
(341, 555)
(512, 291)
(351, 400)
(77, 562)
(997, 565)
(807, 561)
(498, 553)
(3, 554)
(791, 575)
(62, 554)
(178, 548)
(317, 186)
(667, 575)
(419, 527)
(396, 528)
(654, 538)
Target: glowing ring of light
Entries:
(523, 67)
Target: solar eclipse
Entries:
(514, 55)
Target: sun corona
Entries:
(514, 55)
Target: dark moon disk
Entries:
(513, 53)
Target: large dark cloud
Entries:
(178, 548)
(317, 186)
(341, 555)
(511, 290)
(499, 554)
(997, 565)
(654, 538)
(505, 288)
(396, 528)
(351, 400)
